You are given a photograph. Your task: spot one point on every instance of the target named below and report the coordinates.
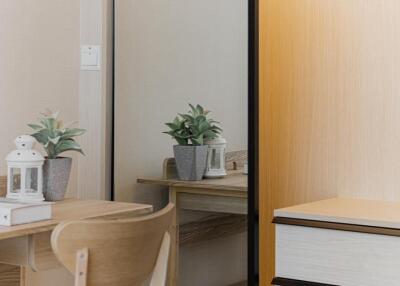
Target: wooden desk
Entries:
(28, 245)
(339, 241)
(227, 195)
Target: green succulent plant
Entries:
(193, 127)
(54, 136)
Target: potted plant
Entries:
(56, 139)
(190, 130)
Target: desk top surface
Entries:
(71, 209)
(347, 211)
(234, 181)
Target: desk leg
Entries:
(174, 261)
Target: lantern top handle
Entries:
(216, 141)
(24, 142)
(25, 154)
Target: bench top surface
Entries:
(346, 211)
(234, 181)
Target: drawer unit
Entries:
(323, 244)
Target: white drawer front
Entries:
(337, 257)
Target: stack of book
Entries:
(14, 212)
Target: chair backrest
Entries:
(233, 161)
(3, 186)
(121, 252)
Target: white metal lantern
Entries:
(216, 158)
(25, 171)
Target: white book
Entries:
(13, 212)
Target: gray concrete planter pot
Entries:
(55, 178)
(191, 162)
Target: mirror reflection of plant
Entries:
(54, 136)
(193, 127)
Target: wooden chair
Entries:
(121, 252)
(3, 186)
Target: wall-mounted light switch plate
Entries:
(90, 58)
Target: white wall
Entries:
(170, 53)
(39, 66)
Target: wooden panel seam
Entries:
(338, 226)
(280, 281)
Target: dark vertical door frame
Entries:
(112, 193)
(253, 246)
(253, 117)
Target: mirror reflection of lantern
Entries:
(216, 158)
(25, 171)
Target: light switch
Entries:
(90, 57)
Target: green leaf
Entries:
(53, 137)
(181, 141)
(49, 123)
(55, 140)
(204, 126)
(193, 127)
(187, 117)
(50, 150)
(216, 128)
(40, 137)
(209, 134)
(182, 135)
(35, 126)
(72, 132)
(200, 118)
(173, 126)
(197, 141)
(192, 108)
(200, 109)
(68, 145)
(177, 121)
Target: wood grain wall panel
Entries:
(297, 125)
(329, 105)
(95, 108)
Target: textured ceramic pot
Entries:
(55, 178)
(191, 162)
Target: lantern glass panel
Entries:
(15, 180)
(216, 159)
(31, 180)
